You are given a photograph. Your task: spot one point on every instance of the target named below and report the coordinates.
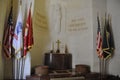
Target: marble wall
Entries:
(113, 7)
(78, 29)
(75, 29)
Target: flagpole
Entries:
(104, 68)
(12, 56)
(13, 71)
(22, 52)
(100, 67)
(22, 67)
(30, 5)
(16, 69)
(24, 56)
(18, 50)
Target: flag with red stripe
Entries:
(28, 34)
(8, 34)
(99, 40)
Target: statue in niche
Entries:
(58, 18)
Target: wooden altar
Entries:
(58, 61)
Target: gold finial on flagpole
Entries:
(109, 16)
(98, 14)
(12, 2)
(20, 2)
(105, 15)
(30, 5)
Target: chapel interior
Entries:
(65, 34)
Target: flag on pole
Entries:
(28, 34)
(28, 42)
(18, 44)
(108, 42)
(8, 34)
(17, 38)
(99, 40)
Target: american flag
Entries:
(99, 40)
(8, 35)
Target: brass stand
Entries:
(58, 46)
